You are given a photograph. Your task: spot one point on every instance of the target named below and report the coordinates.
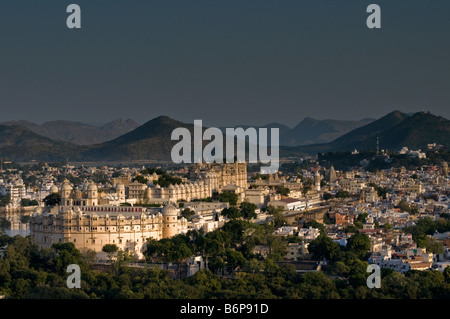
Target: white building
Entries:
(308, 234)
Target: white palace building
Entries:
(91, 220)
(81, 221)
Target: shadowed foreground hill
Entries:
(152, 140)
(21, 144)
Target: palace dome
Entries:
(66, 186)
(92, 187)
(170, 210)
(120, 186)
(54, 189)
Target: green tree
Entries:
(446, 274)
(150, 171)
(342, 194)
(216, 264)
(187, 213)
(359, 244)
(229, 197)
(5, 200)
(141, 179)
(179, 252)
(100, 178)
(316, 285)
(431, 245)
(20, 287)
(235, 229)
(407, 208)
(52, 199)
(110, 249)
(324, 247)
(124, 257)
(165, 180)
(358, 272)
(231, 212)
(4, 223)
(254, 265)
(24, 202)
(277, 213)
(327, 196)
(341, 269)
(248, 210)
(360, 220)
(307, 185)
(234, 259)
(24, 219)
(381, 191)
(278, 248)
(284, 191)
(327, 219)
(66, 254)
(351, 229)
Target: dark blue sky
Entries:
(227, 62)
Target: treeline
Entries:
(27, 272)
(5, 199)
(426, 227)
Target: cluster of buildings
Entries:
(91, 217)
(127, 212)
(413, 153)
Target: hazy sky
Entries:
(226, 62)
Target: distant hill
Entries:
(21, 144)
(312, 131)
(394, 130)
(77, 132)
(152, 140)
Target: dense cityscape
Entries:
(225, 158)
(307, 231)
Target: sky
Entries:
(227, 62)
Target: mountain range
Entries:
(77, 132)
(152, 140)
(393, 131)
(312, 131)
